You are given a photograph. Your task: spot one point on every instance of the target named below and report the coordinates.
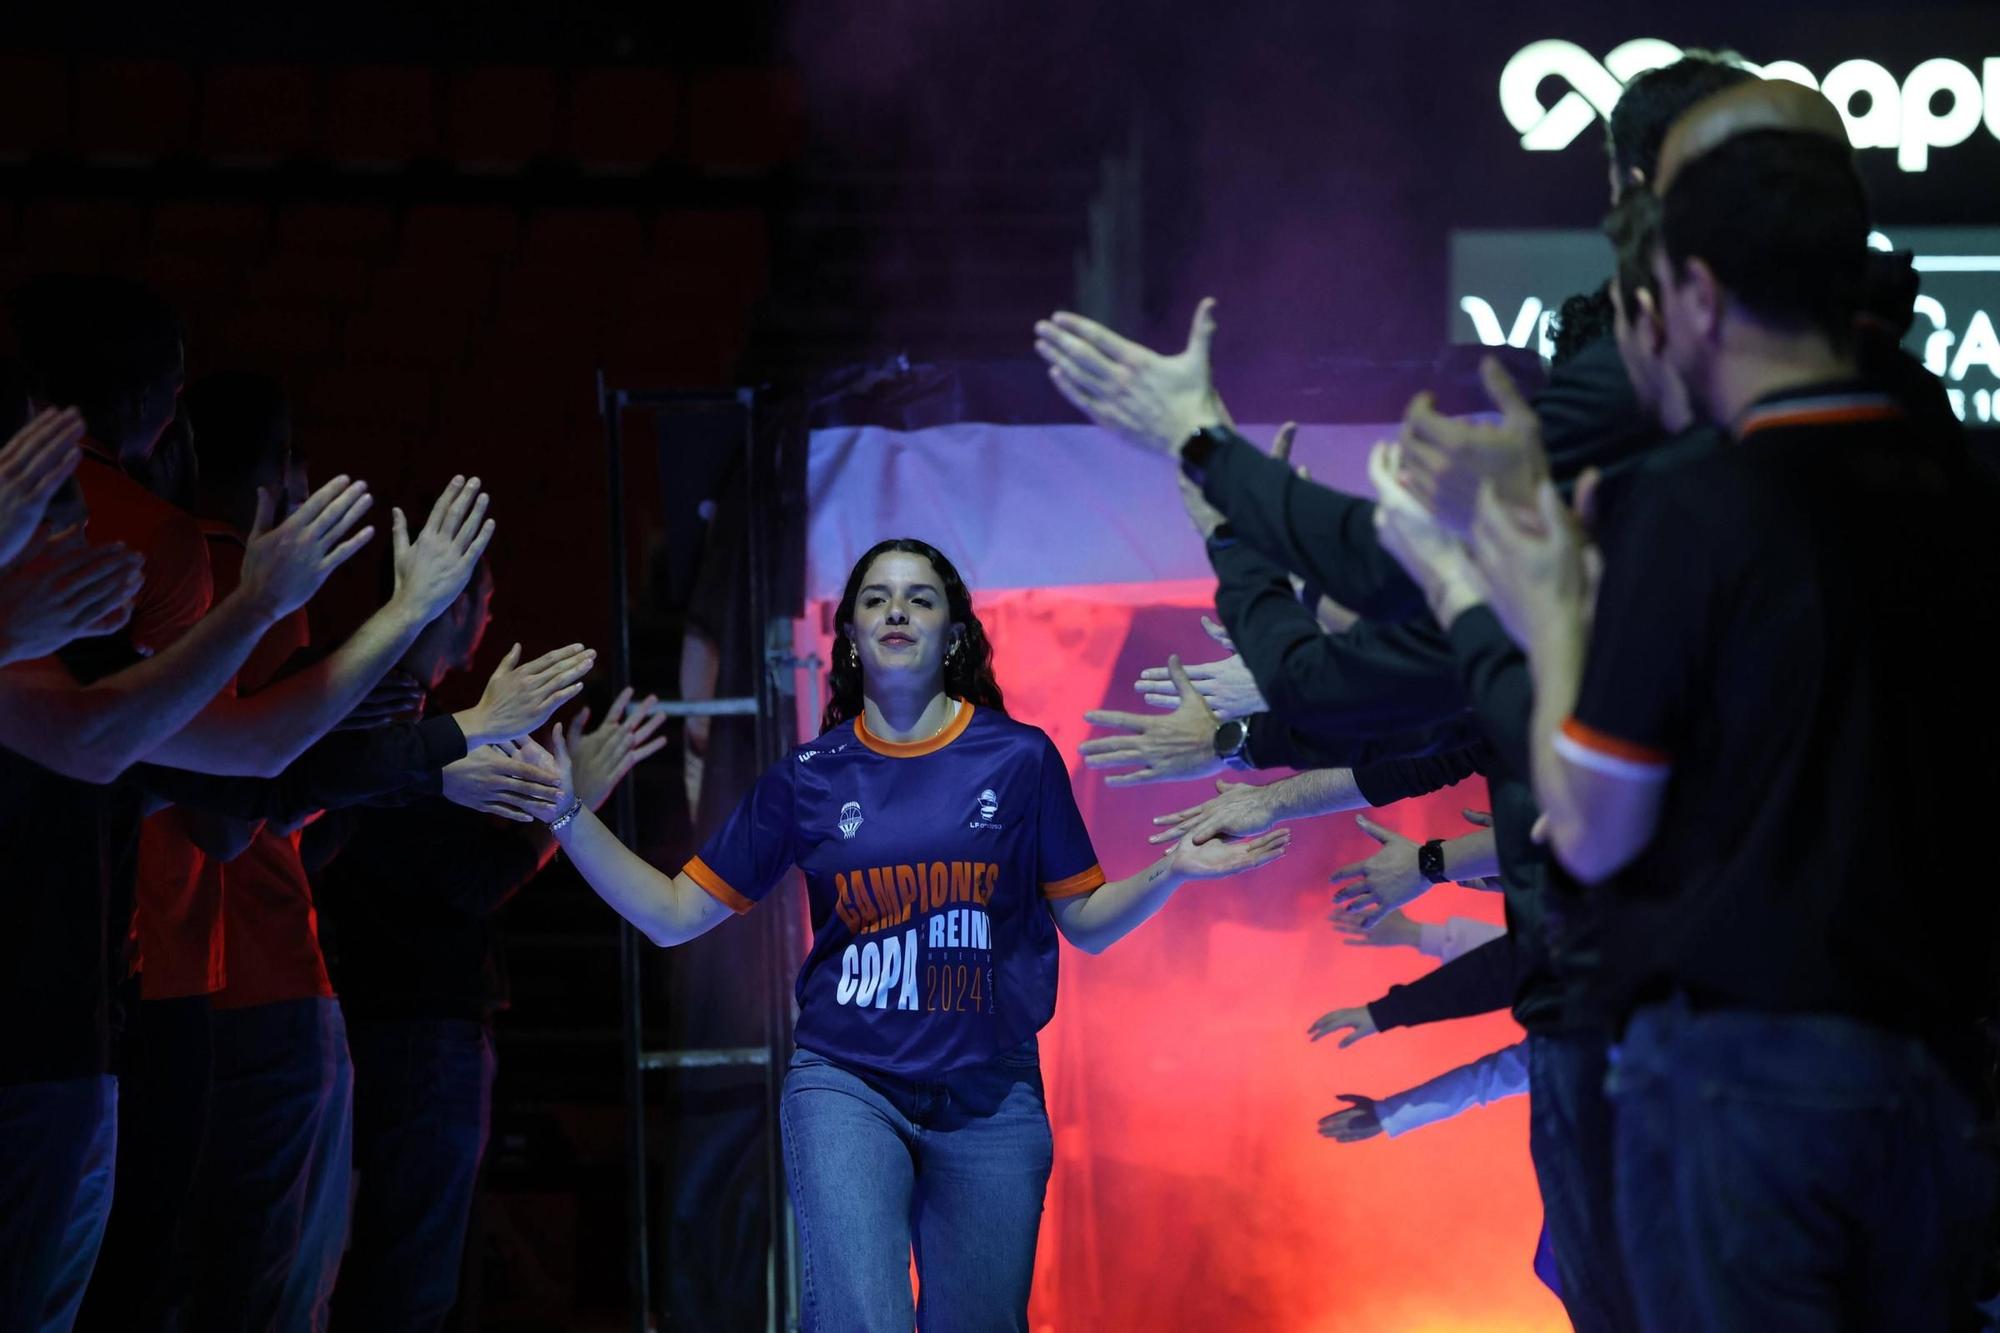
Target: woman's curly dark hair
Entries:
(968, 671)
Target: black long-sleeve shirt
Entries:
(407, 896)
(1368, 680)
(340, 769)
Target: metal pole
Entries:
(611, 406)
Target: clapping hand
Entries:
(1180, 744)
(1153, 400)
(1445, 459)
(283, 566)
(1237, 810)
(66, 589)
(38, 459)
(600, 759)
(432, 570)
(518, 699)
(1356, 1022)
(1354, 1123)
(515, 781)
(1383, 882)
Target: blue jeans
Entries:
(57, 1143)
(162, 1125)
(1795, 1172)
(954, 1167)
(274, 1179)
(1570, 1139)
(423, 1091)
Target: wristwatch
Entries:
(1430, 861)
(1230, 738)
(1197, 451)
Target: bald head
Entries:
(1761, 104)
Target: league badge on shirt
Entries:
(850, 818)
(989, 807)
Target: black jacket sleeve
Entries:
(1327, 537)
(1275, 743)
(1495, 678)
(341, 769)
(1478, 981)
(1396, 780)
(1372, 678)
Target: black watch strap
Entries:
(1430, 861)
(1200, 447)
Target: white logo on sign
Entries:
(850, 818)
(989, 806)
(1901, 117)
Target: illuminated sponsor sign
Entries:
(1903, 115)
(1507, 285)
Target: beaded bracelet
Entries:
(575, 807)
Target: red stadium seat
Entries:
(241, 231)
(624, 119)
(446, 231)
(356, 229)
(381, 115)
(35, 105)
(500, 119)
(375, 395)
(133, 109)
(80, 233)
(745, 119)
(258, 113)
(314, 280)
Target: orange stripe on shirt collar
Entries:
(1830, 410)
(912, 749)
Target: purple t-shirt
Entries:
(929, 867)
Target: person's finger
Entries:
(1281, 443)
(1348, 871)
(1201, 330)
(1090, 403)
(506, 811)
(1155, 675)
(1144, 775)
(641, 726)
(1506, 395)
(645, 752)
(1218, 633)
(1482, 818)
(1103, 341)
(510, 661)
(1107, 717)
(1182, 681)
(580, 719)
(78, 586)
(480, 542)
(438, 521)
(468, 507)
(1075, 356)
(615, 715)
(1110, 758)
(1376, 831)
(399, 532)
(554, 661)
(334, 516)
(1539, 834)
(261, 524)
(1356, 1035)
(344, 552)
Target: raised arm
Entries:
(95, 732)
(259, 734)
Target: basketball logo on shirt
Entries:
(850, 818)
(989, 806)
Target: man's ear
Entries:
(1705, 300)
(1651, 325)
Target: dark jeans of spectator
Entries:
(162, 1122)
(1569, 1137)
(423, 1092)
(57, 1143)
(272, 1191)
(1797, 1172)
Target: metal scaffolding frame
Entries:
(770, 697)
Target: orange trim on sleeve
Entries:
(715, 885)
(1084, 882)
(911, 749)
(1604, 743)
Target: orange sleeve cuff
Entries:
(1605, 753)
(715, 885)
(1092, 878)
